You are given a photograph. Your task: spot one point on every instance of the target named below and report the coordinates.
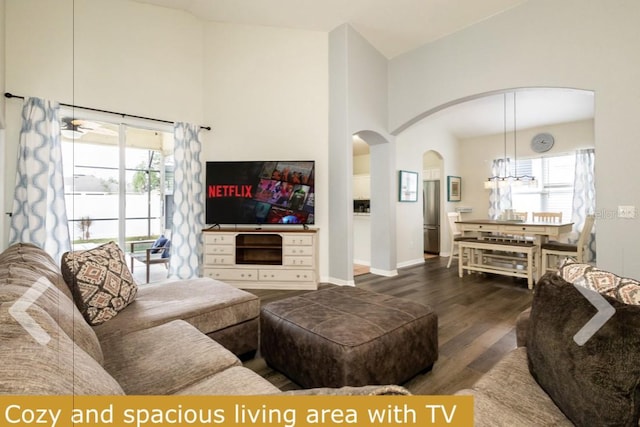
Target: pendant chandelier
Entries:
(506, 179)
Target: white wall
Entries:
(116, 55)
(410, 146)
(358, 104)
(266, 96)
(362, 164)
(581, 44)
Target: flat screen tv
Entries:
(260, 192)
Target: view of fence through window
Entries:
(554, 190)
(117, 180)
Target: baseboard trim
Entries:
(386, 273)
(411, 263)
(340, 282)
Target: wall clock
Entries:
(542, 142)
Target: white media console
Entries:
(262, 259)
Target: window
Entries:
(115, 180)
(554, 191)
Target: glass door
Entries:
(114, 181)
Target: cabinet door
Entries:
(286, 275)
(211, 259)
(361, 187)
(219, 239)
(296, 239)
(231, 274)
(297, 261)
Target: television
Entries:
(260, 192)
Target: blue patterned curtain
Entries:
(188, 198)
(499, 195)
(39, 214)
(584, 198)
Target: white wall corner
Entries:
(411, 263)
(338, 282)
(386, 273)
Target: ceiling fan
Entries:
(74, 128)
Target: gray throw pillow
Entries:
(595, 384)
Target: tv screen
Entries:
(260, 192)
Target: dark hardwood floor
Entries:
(476, 321)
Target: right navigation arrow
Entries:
(605, 312)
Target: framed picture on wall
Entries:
(454, 188)
(408, 186)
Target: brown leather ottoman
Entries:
(348, 336)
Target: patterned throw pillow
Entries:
(621, 288)
(100, 280)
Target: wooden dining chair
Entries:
(553, 217)
(574, 250)
(456, 236)
(521, 216)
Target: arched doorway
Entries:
(373, 213)
(469, 134)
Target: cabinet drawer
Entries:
(479, 227)
(298, 250)
(524, 229)
(231, 274)
(294, 240)
(219, 259)
(304, 261)
(286, 275)
(218, 239)
(218, 249)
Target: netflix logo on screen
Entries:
(260, 192)
(229, 191)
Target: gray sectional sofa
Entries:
(551, 379)
(174, 338)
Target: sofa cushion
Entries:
(31, 255)
(508, 396)
(17, 279)
(236, 380)
(53, 366)
(101, 282)
(207, 304)
(597, 383)
(621, 288)
(164, 359)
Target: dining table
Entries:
(539, 232)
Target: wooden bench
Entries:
(499, 257)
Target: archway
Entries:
(373, 213)
(468, 153)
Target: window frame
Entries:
(123, 124)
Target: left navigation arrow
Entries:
(19, 311)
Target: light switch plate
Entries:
(626, 211)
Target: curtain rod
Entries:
(10, 95)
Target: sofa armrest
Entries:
(522, 328)
(368, 390)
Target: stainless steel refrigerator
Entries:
(431, 209)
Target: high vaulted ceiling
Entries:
(397, 26)
(392, 26)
